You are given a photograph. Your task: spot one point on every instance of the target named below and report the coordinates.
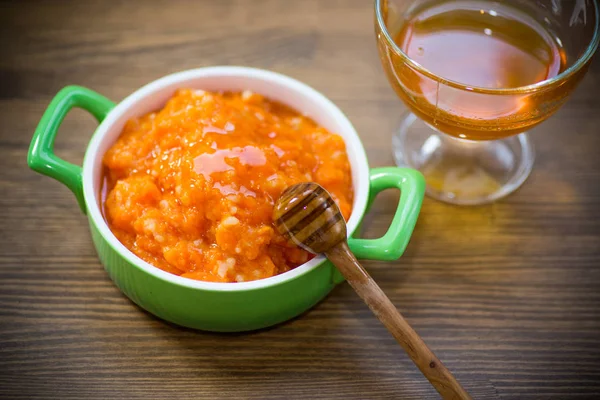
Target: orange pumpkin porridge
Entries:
(190, 188)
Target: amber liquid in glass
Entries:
(477, 44)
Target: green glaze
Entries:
(41, 157)
(391, 246)
(214, 309)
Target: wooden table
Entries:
(507, 295)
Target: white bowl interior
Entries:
(274, 86)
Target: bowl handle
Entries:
(41, 157)
(392, 245)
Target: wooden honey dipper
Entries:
(307, 216)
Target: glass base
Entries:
(463, 172)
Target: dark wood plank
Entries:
(507, 294)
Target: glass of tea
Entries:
(475, 75)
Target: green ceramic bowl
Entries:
(220, 306)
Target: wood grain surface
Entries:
(506, 294)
